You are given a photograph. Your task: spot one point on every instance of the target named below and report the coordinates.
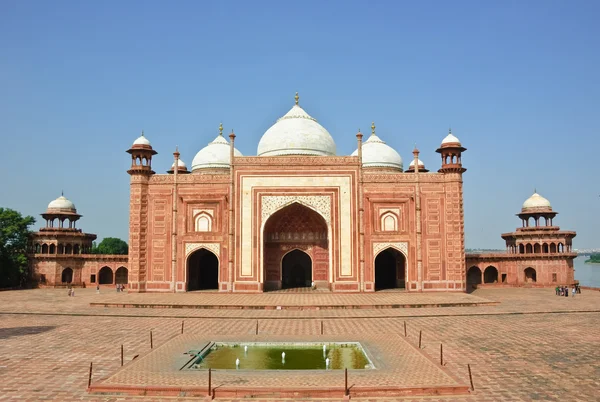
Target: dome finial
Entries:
(62, 193)
(142, 133)
(221, 129)
(297, 98)
(449, 130)
(372, 128)
(535, 190)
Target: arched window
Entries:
(38, 248)
(537, 248)
(545, 248)
(52, 249)
(561, 248)
(528, 249)
(553, 248)
(203, 222)
(521, 249)
(389, 222)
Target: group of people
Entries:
(564, 290)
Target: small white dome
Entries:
(412, 163)
(214, 155)
(141, 140)
(61, 203)
(450, 139)
(536, 201)
(296, 133)
(180, 163)
(376, 153)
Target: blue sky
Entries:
(517, 81)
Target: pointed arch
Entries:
(296, 269)
(203, 222)
(389, 222)
(202, 270)
(389, 268)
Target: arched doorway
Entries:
(390, 269)
(490, 275)
(295, 227)
(296, 270)
(105, 276)
(530, 275)
(473, 278)
(67, 275)
(202, 271)
(121, 276)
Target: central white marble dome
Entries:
(296, 133)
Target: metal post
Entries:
(470, 377)
(405, 329)
(121, 355)
(441, 354)
(419, 339)
(182, 326)
(150, 339)
(90, 376)
(345, 382)
(209, 382)
(256, 327)
(321, 327)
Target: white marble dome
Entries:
(62, 203)
(180, 164)
(536, 201)
(412, 164)
(376, 153)
(296, 133)
(141, 140)
(450, 139)
(214, 155)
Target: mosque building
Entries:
(297, 215)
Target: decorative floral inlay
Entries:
(272, 203)
(191, 247)
(400, 246)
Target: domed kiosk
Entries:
(216, 155)
(296, 133)
(377, 154)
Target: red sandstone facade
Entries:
(290, 220)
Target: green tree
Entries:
(110, 245)
(14, 234)
(595, 258)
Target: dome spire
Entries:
(297, 98)
(372, 128)
(142, 133)
(221, 129)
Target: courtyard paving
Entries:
(531, 346)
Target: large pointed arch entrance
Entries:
(202, 270)
(295, 249)
(390, 269)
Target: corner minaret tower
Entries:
(451, 150)
(141, 156)
(141, 170)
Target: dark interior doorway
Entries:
(390, 270)
(296, 270)
(67, 275)
(203, 271)
(105, 276)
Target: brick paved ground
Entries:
(551, 355)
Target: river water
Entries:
(586, 274)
